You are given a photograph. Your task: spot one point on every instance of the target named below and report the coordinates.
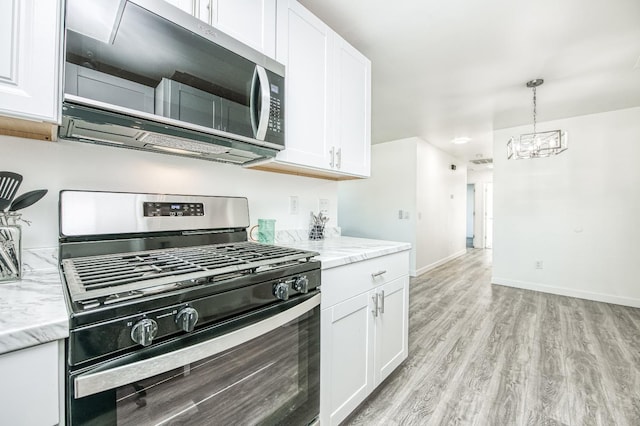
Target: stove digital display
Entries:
(172, 209)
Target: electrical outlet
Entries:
(294, 204)
(539, 264)
(406, 215)
(400, 214)
(323, 205)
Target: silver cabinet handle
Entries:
(375, 305)
(332, 157)
(381, 295)
(339, 158)
(377, 274)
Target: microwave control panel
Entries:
(275, 110)
(275, 123)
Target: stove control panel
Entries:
(152, 209)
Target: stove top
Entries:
(142, 269)
(102, 280)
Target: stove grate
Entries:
(106, 275)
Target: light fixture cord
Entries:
(534, 109)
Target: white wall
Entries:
(479, 178)
(413, 176)
(441, 204)
(369, 208)
(74, 165)
(577, 212)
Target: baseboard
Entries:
(420, 271)
(563, 291)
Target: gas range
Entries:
(137, 275)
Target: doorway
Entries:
(488, 215)
(471, 213)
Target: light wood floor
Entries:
(482, 354)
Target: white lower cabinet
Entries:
(346, 360)
(31, 385)
(392, 327)
(364, 337)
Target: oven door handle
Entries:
(92, 383)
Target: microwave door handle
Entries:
(260, 87)
(253, 101)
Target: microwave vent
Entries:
(166, 141)
(483, 161)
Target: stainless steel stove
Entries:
(160, 285)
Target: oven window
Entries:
(273, 379)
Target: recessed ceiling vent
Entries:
(483, 161)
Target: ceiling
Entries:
(446, 69)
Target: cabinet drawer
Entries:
(343, 282)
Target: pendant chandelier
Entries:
(536, 144)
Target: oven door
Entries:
(261, 368)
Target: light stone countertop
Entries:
(33, 309)
(340, 250)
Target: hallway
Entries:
(491, 355)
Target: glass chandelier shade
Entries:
(537, 144)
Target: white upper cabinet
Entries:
(304, 45)
(328, 96)
(188, 6)
(29, 59)
(252, 22)
(352, 110)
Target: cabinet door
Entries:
(352, 110)
(29, 395)
(304, 45)
(392, 326)
(252, 22)
(29, 59)
(188, 6)
(346, 361)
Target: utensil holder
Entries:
(316, 232)
(10, 247)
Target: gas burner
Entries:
(111, 278)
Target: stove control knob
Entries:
(187, 319)
(281, 291)
(144, 331)
(301, 284)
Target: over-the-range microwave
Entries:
(143, 74)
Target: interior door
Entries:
(488, 215)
